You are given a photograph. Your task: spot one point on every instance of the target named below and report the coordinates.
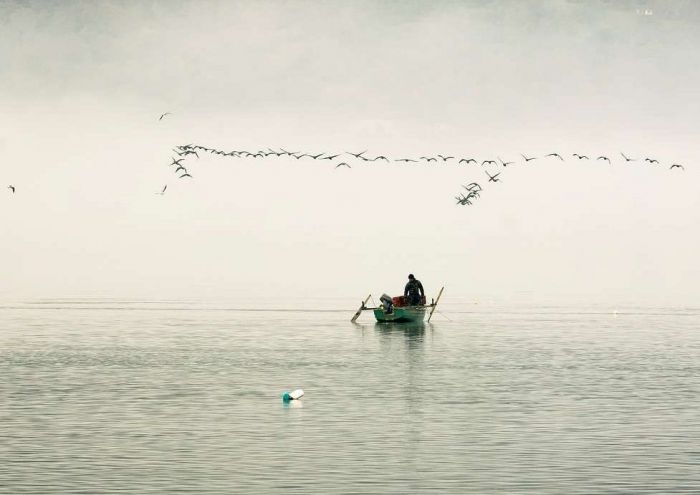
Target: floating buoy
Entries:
(293, 395)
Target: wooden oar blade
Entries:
(359, 311)
(435, 305)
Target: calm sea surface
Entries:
(106, 396)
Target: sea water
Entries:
(107, 396)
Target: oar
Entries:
(435, 303)
(357, 314)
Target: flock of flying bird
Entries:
(473, 190)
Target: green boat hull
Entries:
(401, 315)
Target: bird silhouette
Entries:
(603, 158)
(356, 155)
(627, 159)
(445, 158)
(488, 161)
(465, 200)
(428, 158)
(343, 164)
(467, 160)
(556, 155)
(581, 157)
(380, 157)
(190, 152)
(180, 167)
(12, 188)
(163, 115)
(651, 160)
(406, 160)
(330, 157)
(177, 162)
(163, 191)
(185, 175)
(315, 157)
(528, 159)
(675, 165)
(493, 178)
(472, 186)
(505, 164)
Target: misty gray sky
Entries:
(82, 85)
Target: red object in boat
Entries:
(398, 301)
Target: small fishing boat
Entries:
(395, 309)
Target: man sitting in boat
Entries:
(413, 292)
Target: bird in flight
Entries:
(627, 159)
(185, 175)
(488, 161)
(329, 157)
(555, 154)
(445, 158)
(428, 159)
(467, 160)
(472, 186)
(11, 188)
(163, 115)
(356, 155)
(528, 159)
(380, 157)
(581, 157)
(465, 200)
(675, 165)
(603, 158)
(180, 167)
(405, 160)
(189, 152)
(505, 164)
(163, 191)
(493, 178)
(651, 160)
(177, 162)
(343, 164)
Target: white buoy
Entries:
(293, 395)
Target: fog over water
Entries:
(82, 85)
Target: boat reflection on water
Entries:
(413, 332)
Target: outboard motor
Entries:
(387, 303)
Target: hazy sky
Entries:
(82, 85)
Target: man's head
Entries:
(411, 277)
